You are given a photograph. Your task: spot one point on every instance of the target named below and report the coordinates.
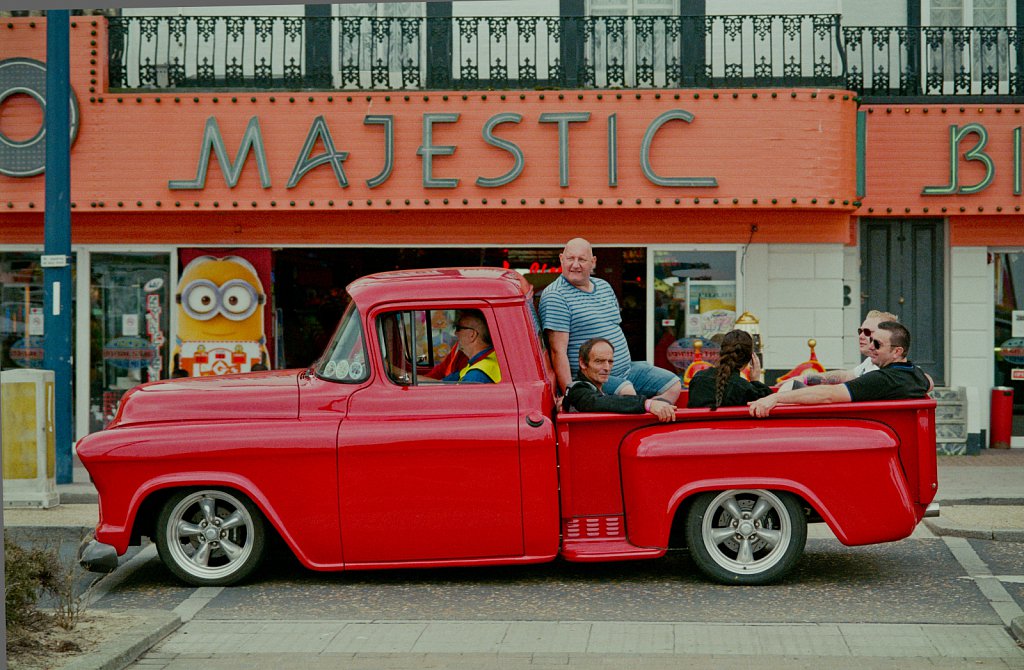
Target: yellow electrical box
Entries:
(29, 453)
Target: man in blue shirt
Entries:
(577, 307)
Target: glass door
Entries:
(129, 328)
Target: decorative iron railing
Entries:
(935, 61)
(519, 52)
(526, 52)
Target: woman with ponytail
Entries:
(723, 386)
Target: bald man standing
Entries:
(577, 307)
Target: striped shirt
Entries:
(567, 309)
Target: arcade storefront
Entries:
(253, 210)
(799, 206)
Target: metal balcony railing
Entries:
(935, 61)
(598, 52)
(522, 52)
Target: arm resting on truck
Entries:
(583, 396)
(809, 395)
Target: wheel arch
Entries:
(683, 501)
(150, 499)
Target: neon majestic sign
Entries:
(319, 133)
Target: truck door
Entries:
(428, 470)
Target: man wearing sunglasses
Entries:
(864, 333)
(895, 379)
(475, 341)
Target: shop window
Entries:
(422, 346)
(21, 304)
(1009, 330)
(128, 328)
(694, 299)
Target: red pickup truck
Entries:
(363, 461)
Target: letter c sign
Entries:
(27, 158)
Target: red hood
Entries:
(257, 395)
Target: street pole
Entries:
(56, 261)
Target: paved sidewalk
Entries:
(980, 496)
(210, 639)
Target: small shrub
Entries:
(27, 573)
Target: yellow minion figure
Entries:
(220, 318)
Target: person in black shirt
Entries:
(723, 385)
(585, 395)
(896, 379)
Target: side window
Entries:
(421, 346)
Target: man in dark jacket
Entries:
(585, 395)
(896, 379)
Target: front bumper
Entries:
(95, 556)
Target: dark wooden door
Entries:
(902, 271)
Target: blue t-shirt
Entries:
(567, 309)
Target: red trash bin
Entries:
(1001, 426)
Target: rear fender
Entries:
(848, 471)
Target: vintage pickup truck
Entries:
(362, 461)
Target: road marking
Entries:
(199, 599)
(1009, 579)
(989, 585)
(107, 582)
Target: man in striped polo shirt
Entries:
(577, 307)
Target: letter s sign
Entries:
(28, 77)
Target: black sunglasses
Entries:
(866, 332)
(458, 328)
(878, 345)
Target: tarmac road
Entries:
(906, 604)
(951, 596)
(914, 581)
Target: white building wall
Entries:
(512, 8)
(726, 7)
(851, 313)
(972, 325)
(235, 10)
(873, 13)
(802, 299)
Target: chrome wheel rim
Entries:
(747, 531)
(210, 534)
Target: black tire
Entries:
(210, 537)
(746, 536)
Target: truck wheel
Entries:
(210, 537)
(746, 536)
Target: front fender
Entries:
(288, 468)
(116, 530)
(847, 470)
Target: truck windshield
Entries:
(345, 358)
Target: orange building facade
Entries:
(800, 206)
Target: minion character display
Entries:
(220, 318)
